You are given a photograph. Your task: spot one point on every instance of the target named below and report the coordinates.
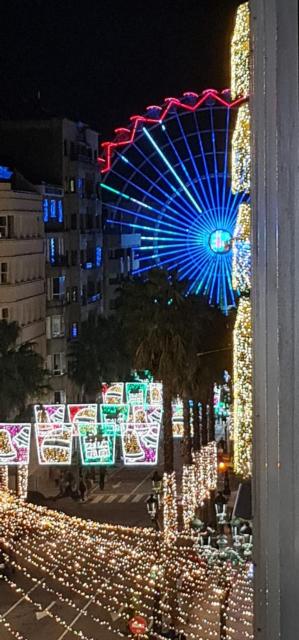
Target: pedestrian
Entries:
(102, 477)
(82, 489)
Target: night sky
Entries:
(101, 61)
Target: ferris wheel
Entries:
(166, 180)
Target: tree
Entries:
(23, 376)
(151, 313)
(98, 355)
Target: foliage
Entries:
(98, 355)
(22, 374)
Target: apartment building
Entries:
(22, 264)
(60, 158)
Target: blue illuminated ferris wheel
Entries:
(166, 180)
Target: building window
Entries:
(3, 227)
(57, 364)
(74, 330)
(65, 147)
(56, 288)
(74, 258)
(3, 272)
(55, 326)
(74, 294)
(52, 209)
(4, 313)
(59, 397)
(68, 296)
(74, 221)
(72, 185)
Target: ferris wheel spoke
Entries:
(163, 177)
(172, 170)
(182, 164)
(203, 156)
(160, 202)
(143, 216)
(198, 177)
(154, 185)
(224, 184)
(215, 162)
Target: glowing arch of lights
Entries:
(166, 180)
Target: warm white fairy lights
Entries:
(189, 502)
(243, 389)
(241, 157)
(241, 268)
(22, 481)
(119, 570)
(240, 53)
(3, 478)
(241, 151)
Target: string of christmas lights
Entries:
(3, 478)
(170, 511)
(241, 157)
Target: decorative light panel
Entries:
(54, 443)
(14, 443)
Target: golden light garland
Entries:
(241, 160)
(189, 502)
(241, 151)
(22, 481)
(241, 267)
(242, 416)
(3, 478)
(240, 53)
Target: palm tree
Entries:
(98, 355)
(23, 376)
(151, 312)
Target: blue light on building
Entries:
(74, 330)
(45, 210)
(52, 209)
(5, 173)
(52, 250)
(98, 256)
(60, 210)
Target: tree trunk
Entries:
(211, 414)
(187, 433)
(204, 430)
(196, 427)
(167, 428)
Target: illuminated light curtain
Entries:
(22, 481)
(241, 151)
(240, 54)
(242, 250)
(3, 478)
(241, 276)
(243, 389)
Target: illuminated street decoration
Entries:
(114, 417)
(243, 390)
(177, 419)
(242, 250)
(155, 393)
(240, 53)
(86, 413)
(49, 413)
(113, 393)
(14, 443)
(166, 180)
(54, 443)
(136, 392)
(140, 439)
(242, 352)
(96, 446)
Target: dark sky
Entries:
(103, 60)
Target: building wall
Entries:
(22, 264)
